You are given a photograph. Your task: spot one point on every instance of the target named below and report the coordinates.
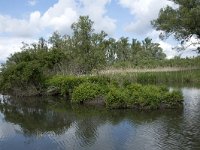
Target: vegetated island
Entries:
(75, 67)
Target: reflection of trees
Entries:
(34, 116)
(36, 122)
(87, 131)
(39, 115)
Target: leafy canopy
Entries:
(182, 22)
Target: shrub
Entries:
(116, 98)
(127, 96)
(144, 96)
(151, 96)
(66, 84)
(173, 98)
(86, 92)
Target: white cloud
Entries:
(97, 12)
(143, 12)
(168, 47)
(32, 2)
(11, 45)
(18, 27)
(58, 17)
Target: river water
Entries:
(53, 124)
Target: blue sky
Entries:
(27, 20)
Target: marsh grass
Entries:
(167, 77)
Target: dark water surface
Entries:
(44, 124)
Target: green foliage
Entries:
(152, 63)
(66, 84)
(182, 22)
(27, 70)
(88, 88)
(116, 98)
(133, 53)
(173, 98)
(146, 96)
(142, 97)
(88, 47)
(22, 75)
(86, 92)
(78, 54)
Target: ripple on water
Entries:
(68, 139)
(7, 130)
(126, 130)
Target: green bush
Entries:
(151, 96)
(144, 96)
(88, 88)
(86, 92)
(66, 84)
(116, 98)
(173, 98)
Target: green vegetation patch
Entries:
(87, 91)
(143, 97)
(66, 84)
(117, 98)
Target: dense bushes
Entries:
(142, 97)
(87, 91)
(66, 84)
(116, 98)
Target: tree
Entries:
(111, 51)
(123, 49)
(182, 22)
(88, 49)
(152, 50)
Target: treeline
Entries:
(76, 54)
(176, 62)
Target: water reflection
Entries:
(48, 123)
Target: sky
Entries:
(28, 20)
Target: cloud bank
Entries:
(58, 17)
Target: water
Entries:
(45, 123)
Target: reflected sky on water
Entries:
(53, 124)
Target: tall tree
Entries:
(111, 50)
(182, 22)
(152, 50)
(86, 52)
(123, 49)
